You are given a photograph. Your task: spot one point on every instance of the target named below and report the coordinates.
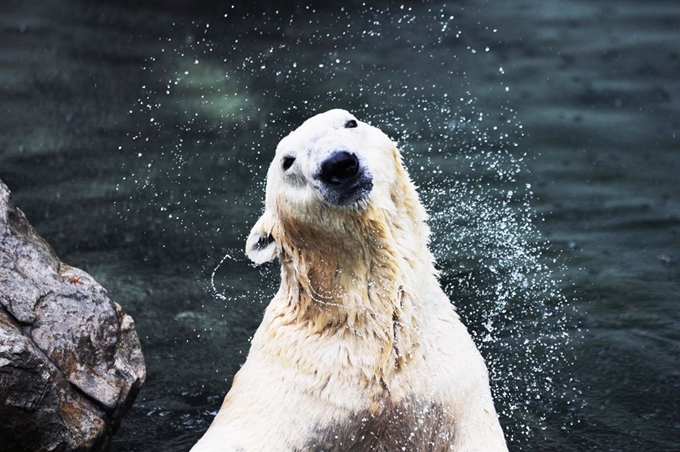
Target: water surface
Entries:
(543, 136)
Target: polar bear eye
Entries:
(287, 162)
(350, 124)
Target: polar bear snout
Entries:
(339, 168)
(342, 179)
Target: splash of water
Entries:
(216, 119)
(220, 295)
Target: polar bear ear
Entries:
(261, 246)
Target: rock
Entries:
(70, 360)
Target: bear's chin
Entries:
(347, 195)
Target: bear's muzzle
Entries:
(344, 180)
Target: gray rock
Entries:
(70, 360)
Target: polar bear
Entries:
(360, 349)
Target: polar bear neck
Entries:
(362, 282)
(354, 276)
(355, 289)
(335, 281)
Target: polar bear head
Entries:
(337, 179)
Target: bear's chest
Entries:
(407, 426)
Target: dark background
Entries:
(544, 136)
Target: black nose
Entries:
(339, 167)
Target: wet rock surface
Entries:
(70, 360)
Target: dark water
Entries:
(545, 137)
